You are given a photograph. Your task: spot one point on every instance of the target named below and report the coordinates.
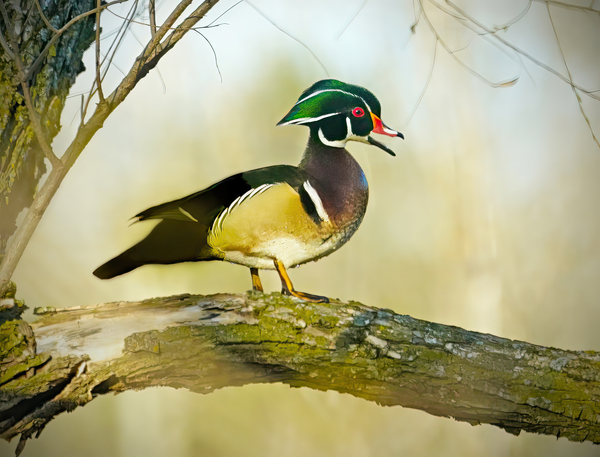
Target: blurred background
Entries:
(488, 218)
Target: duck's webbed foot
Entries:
(288, 289)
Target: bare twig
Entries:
(43, 16)
(562, 54)
(81, 109)
(214, 53)
(288, 34)
(37, 127)
(224, 13)
(515, 19)
(121, 32)
(98, 81)
(146, 24)
(413, 27)
(469, 21)
(3, 42)
(458, 60)
(110, 55)
(159, 74)
(152, 13)
(488, 37)
(412, 113)
(569, 6)
(352, 20)
(12, 37)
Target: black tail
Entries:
(171, 241)
(119, 265)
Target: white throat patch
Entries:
(314, 196)
(333, 144)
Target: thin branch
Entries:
(569, 6)
(152, 13)
(4, 44)
(168, 24)
(115, 44)
(468, 18)
(489, 38)
(120, 35)
(352, 20)
(98, 81)
(515, 19)
(37, 127)
(81, 109)
(224, 13)
(562, 54)
(413, 27)
(43, 16)
(145, 24)
(12, 37)
(214, 53)
(435, 42)
(159, 74)
(288, 34)
(479, 76)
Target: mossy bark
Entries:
(203, 343)
(21, 157)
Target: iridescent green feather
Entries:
(347, 97)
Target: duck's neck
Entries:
(339, 180)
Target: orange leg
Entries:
(288, 289)
(256, 284)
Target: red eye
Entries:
(358, 112)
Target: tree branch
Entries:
(145, 62)
(98, 80)
(204, 343)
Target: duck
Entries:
(276, 217)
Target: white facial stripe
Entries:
(305, 120)
(333, 144)
(335, 90)
(186, 214)
(314, 196)
(348, 128)
(327, 90)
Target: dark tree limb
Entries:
(203, 343)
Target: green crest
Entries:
(328, 98)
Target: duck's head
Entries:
(337, 112)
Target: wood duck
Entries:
(280, 216)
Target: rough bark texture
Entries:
(21, 158)
(203, 343)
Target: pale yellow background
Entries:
(488, 218)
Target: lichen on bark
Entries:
(203, 343)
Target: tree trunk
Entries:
(203, 343)
(21, 157)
